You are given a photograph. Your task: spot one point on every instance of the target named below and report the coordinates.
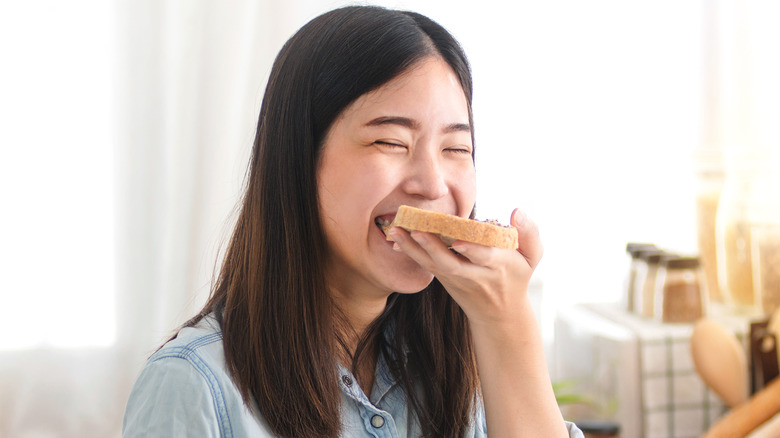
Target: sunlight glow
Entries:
(56, 175)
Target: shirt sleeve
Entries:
(171, 398)
(574, 431)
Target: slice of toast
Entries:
(451, 228)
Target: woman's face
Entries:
(408, 142)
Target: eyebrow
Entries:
(415, 125)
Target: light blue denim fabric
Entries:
(185, 390)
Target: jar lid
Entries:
(635, 248)
(709, 161)
(652, 256)
(680, 262)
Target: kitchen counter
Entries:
(637, 371)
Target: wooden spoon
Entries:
(721, 361)
(746, 418)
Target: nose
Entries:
(426, 178)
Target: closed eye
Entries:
(459, 150)
(389, 144)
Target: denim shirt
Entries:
(185, 389)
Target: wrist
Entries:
(520, 317)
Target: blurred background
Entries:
(126, 127)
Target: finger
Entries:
(529, 242)
(441, 258)
(428, 251)
(477, 254)
(406, 244)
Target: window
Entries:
(56, 175)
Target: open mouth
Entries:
(383, 223)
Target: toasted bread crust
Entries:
(451, 228)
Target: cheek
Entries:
(465, 190)
(350, 184)
(348, 192)
(329, 191)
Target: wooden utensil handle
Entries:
(744, 418)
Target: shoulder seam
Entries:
(188, 353)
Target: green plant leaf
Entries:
(568, 399)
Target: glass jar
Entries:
(710, 180)
(679, 295)
(765, 242)
(633, 250)
(647, 273)
(766, 266)
(734, 255)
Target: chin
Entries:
(411, 284)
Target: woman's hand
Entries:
(491, 286)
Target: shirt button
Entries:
(377, 421)
(347, 380)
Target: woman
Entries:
(320, 327)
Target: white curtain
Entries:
(586, 114)
(187, 81)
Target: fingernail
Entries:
(518, 217)
(396, 247)
(459, 247)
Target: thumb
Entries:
(529, 244)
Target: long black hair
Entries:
(279, 324)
